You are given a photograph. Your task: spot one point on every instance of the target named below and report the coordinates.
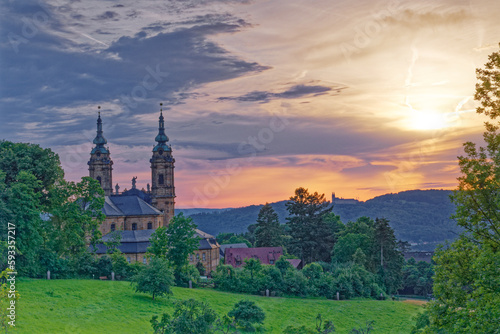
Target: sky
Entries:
(358, 97)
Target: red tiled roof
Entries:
(267, 255)
(294, 262)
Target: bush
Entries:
(156, 278)
(186, 274)
(120, 266)
(246, 314)
(190, 316)
(104, 266)
(84, 266)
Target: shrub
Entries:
(246, 314)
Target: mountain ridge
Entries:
(421, 217)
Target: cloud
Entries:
(132, 71)
(293, 92)
(107, 15)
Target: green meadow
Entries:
(92, 306)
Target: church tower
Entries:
(100, 164)
(162, 174)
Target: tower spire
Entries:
(161, 138)
(99, 139)
(100, 163)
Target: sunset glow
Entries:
(358, 98)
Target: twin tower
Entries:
(162, 193)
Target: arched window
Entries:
(99, 179)
(160, 179)
(128, 259)
(197, 257)
(144, 260)
(204, 257)
(150, 226)
(134, 226)
(113, 227)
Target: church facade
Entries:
(136, 214)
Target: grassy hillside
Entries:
(87, 306)
(418, 216)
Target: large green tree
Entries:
(175, 243)
(155, 279)
(53, 219)
(311, 236)
(76, 214)
(268, 231)
(467, 281)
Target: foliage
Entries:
(120, 266)
(246, 314)
(312, 237)
(372, 245)
(76, 215)
(159, 243)
(366, 330)
(53, 219)
(181, 241)
(201, 268)
(104, 266)
(156, 278)
(175, 243)
(268, 231)
(252, 265)
(417, 278)
(7, 296)
(190, 317)
(467, 283)
(421, 322)
(43, 164)
(320, 328)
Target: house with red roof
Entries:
(266, 255)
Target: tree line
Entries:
(361, 258)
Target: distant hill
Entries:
(421, 217)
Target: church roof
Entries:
(137, 241)
(123, 205)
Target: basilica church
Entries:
(136, 214)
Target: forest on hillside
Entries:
(421, 217)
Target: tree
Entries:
(391, 259)
(43, 164)
(159, 243)
(268, 231)
(467, 284)
(181, 240)
(246, 313)
(190, 317)
(156, 278)
(252, 265)
(312, 237)
(75, 215)
(23, 206)
(175, 243)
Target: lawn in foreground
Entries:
(91, 306)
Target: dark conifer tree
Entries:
(308, 227)
(268, 231)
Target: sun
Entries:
(427, 120)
